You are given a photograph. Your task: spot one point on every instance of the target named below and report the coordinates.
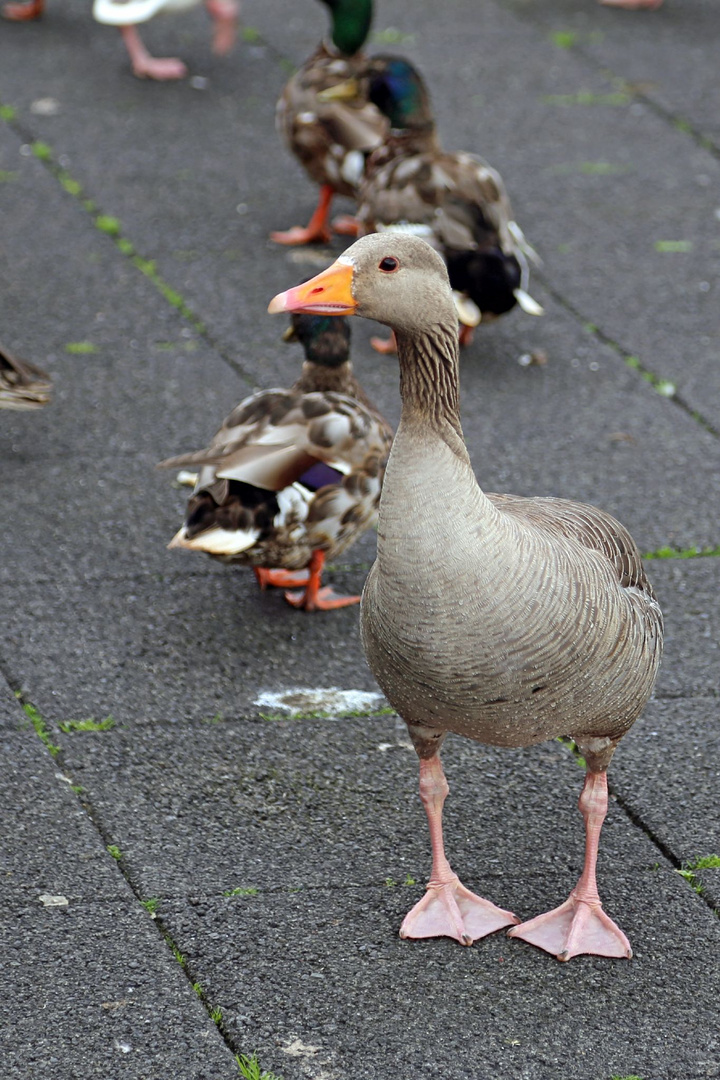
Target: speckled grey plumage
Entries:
(505, 619)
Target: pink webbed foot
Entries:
(575, 928)
(145, 66)
(160, 68)
(451, 910)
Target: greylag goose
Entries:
(22, 385)
(292, 477)
(505, 619)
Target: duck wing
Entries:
(22, 385)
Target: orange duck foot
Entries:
(385, 346)
(451, 910)
(298, 235)
(23, 12)
(346, 225)
(576, 927)
(325, 599)
(316, 231)
(633, 5)
(280, 579)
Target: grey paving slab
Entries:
(688, 590)
(322, 985)
(201, 794)
(90, 988)
(669, 58)
(666, 771)
(220, 152)
(92, 991)
(282, 804)
(173, 646)
(709, 882)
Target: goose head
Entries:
(395, 279)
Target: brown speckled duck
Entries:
(508, 620)
(292, 477)
(22, 385)
(455, 201)
(326, 119)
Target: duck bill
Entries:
(343, 91)
(330, 293)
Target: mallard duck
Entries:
(22, 385)
(457, 202)
(293, 476)
(507, 620)
(326, 119)
(126, 14)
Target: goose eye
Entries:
(388, 264)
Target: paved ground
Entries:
(606, 126)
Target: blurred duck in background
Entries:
(326, 119)
(126, 14)
(455, 201)
(22, 385)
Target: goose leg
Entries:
(580, 925)
(447, 909)
(146, 66)
(315, 598)
(316, 231)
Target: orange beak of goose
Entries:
(330, 293)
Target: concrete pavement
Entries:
(260, 864)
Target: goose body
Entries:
(455, 201)
(22, 385)
(326, 119)
(292, 477)
(507, 620)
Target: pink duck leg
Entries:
(447, 909)
(224, 14)
(580, 925)
(146, 66)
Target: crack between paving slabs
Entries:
(214, 1014)
(656, 381)
(679, 123)
(102, 223)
